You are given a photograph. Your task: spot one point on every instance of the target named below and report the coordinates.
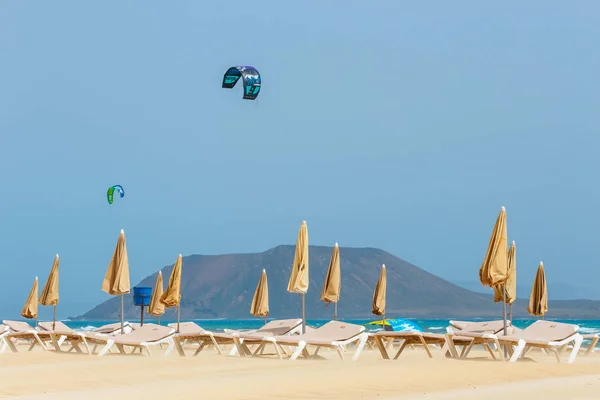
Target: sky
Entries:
(391, 124)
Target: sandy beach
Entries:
(48, 375)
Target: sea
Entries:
(430, 325)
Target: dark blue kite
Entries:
(250, 77)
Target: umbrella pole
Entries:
(504, 317)
(511, 320)
(303, 316)
(159, 320)
(265, 319)
(178, 315)
(54, 319)
(122, 315)
(335, 311)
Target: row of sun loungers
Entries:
(284, 336)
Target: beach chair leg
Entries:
(179, 347)
(61, 340)
(499, 349)
(170, 346)
(11, 345)
(424, 343)
(451, 346)
(55, 342)
(238, 345)
(489, 349)
(106, 348)
(199, 349)
(217, 347)
(147, 348)
(279, 349)
(86, 345)
(359, 348)
(121, 349)
(381, 347)
(592, 345)
(401, 349)
(520, 349)
(576, 346)
(301, 349)
(233, 351)
(556, 352)
(260, 349)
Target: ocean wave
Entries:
(88, 328)
(589, 330)
(437, 328)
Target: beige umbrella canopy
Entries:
(49, 296)
(298, 282)
(538, 300)
(157, 308)
(260, 301)
(172, 296)
(333, 282)
(116, 280)
(30, 309)
(494, 269)
(378, 307)
(509, 288)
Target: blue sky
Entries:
(393, 124)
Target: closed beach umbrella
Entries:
(116, 280)
(172, 296)
(157, 308)
(333, 282)
(538, 300)
(260, 301)
(378, 307)
(49, 296)
(298, 282)
(494, 269)
(509, 288)
(30, 309)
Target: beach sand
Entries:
(48, 375)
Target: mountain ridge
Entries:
(222, 286)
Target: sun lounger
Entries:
(3, 332)
(476, 330)
(20, 330)
(334, 334)
(548, 335)
(282, 327)
(192, 332)
(496, 326)
(276, 327)
(115, 329)
(141, 338)
(419, 338)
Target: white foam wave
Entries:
(88, 328)
(437, 328)
(589, 330)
